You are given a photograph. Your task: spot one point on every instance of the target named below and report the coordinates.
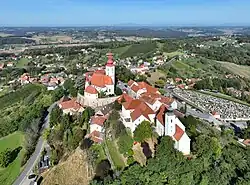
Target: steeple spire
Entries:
(110, 61)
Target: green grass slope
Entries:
(13, 141)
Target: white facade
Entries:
(159, 128)
(183, 144)
(157, 104)
(174, 105)
(170, 121)
(95, 127)
(110, 71)
(110, 89)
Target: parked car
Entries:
(32, 176)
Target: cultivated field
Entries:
(22, 62)
(237, 69)
(12, 141)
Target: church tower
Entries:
(110, 67)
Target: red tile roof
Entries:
(148, 99)
(142, 109)
(166, 100)
(142, 85)
(178, 79)
(63, 99)
(99, 120)
(178, 133)
(132, 104)
(161, 115)
(124, 98)
(96, 136)
(101, 80)
(91, 90)
(130, 82)
(70, 104)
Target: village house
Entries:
(25, 78)
(147, 104)
(142, 69)
(97, 128)
(10, 64)
(70, 106)
(97, 123)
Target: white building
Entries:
(150, 105)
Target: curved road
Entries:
(35, 156)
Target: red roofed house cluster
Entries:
(145, 103)
(101, 80)
(97, 124)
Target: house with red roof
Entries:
(157, 109)
(97, 128)
(216, 115)
(25, 78)
(70, 106)
(138, 88)
(10, 64)
(102, 80)
(142, 69)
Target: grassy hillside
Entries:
(193, 68)
(241, 70)
(19, 95)
(139, 49)
(22, 62)
(13, 141)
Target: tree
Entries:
(73, 91)
(117, 106)
(101, 94)
(55, 116)
(143, 131)
(5, 157)
(118, 91)
(125, 143)
(57, 94)
(212, 148)
(68, 84)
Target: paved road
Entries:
(22, 179)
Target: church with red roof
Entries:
(101, 80)
(145, 103)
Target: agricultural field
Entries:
(173, 54)
(12, 141)
(121, 50)
(140, 49)
(240, 70)
(22, 62)
(155, 76)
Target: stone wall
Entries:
(93, 103)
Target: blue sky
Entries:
(113, 12)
